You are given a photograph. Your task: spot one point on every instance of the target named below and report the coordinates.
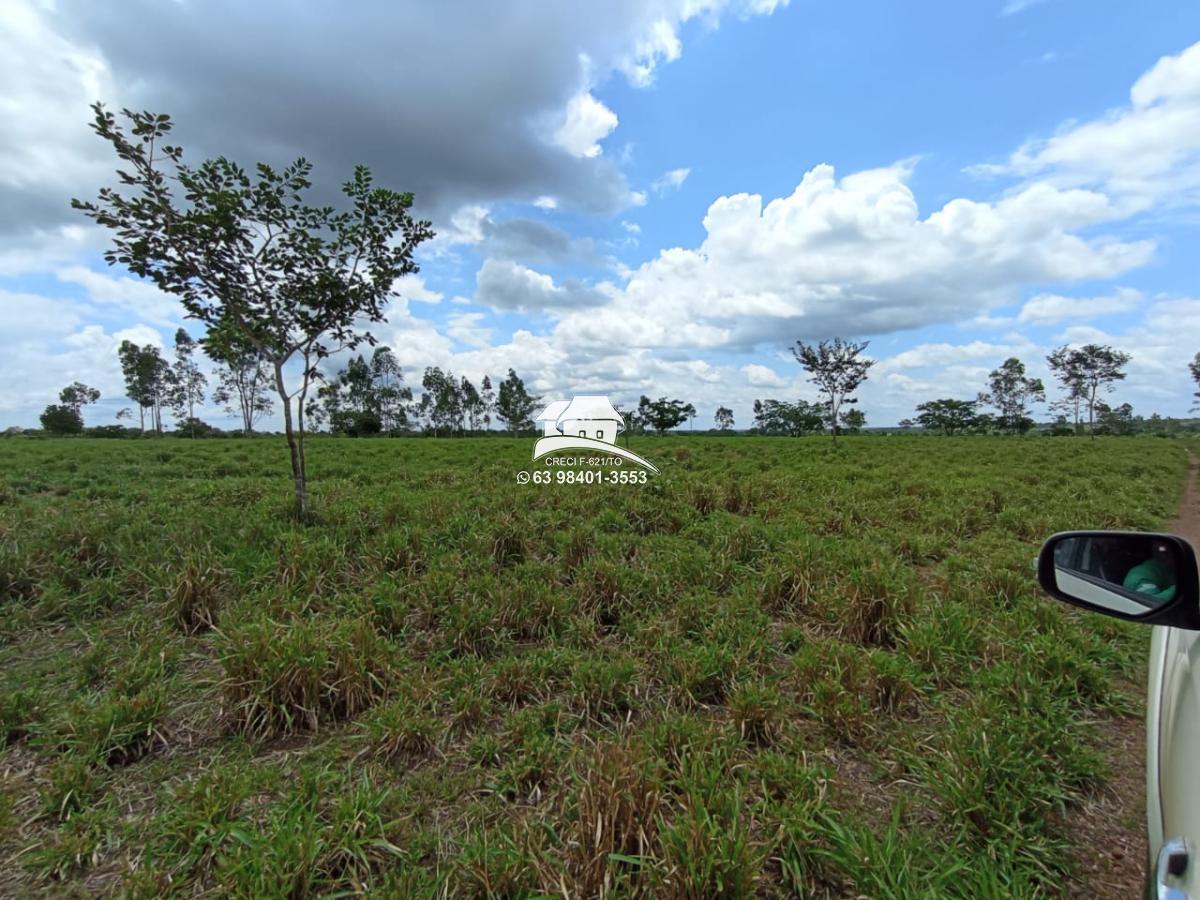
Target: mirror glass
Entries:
(1125, 573)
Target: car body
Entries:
(1099, 571)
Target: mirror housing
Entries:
(1133, 575)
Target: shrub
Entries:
(283, 677)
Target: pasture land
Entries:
(778, 668)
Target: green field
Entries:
(778, 668)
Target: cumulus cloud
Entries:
(854, 256)
(586, 122)
(1141, 153)
(1046, 309)
(503, 284)
(458, 117)
(412, 287)
(761, 376)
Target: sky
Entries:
(651, 197)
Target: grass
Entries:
(779, 668)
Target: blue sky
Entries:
(659, 198)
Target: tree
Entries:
(689, 413)
(778, 417)
(906, 424)
(472, 404)
(146, 383)
(515, 406)
(246, 253)
(837, 370)
(853, 420)
(487, 397)
(186, 382)
(61, 419)
(1085, 371)
(391, 396)
(664, 414)
(442, 402)
(243, 377)
(724, 418)
(948, 416)
(76, 396)
(1011, 393)
(1194, 369)
(1119, 421)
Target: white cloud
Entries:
(134, 295)
(637, 198)
(1046, 309)
(545, 202)
(853, 256)
(503, 284)
(465, 328)
(668, 181)
(586, 122)
(761, 376)
(1146, 152)
(412, 287)
(632, 227)
(944, 354)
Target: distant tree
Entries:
(1066, 373)
(146, 384)
(1011, 393)
(948, 416)
(1085, 371)
(778, 417)
(487, 397)
(185, 382)
(247, 254)
(472, 404)
(78, 395)
(1119, 421)
(124, 413)
(837, 370)
(906, 424)
(515, 406)
(61, 419)
(689, 413)
(853, 420)
(1194, 369)
(442, 402)
(243, 377)
(664, 414)
(390, 396)
(724, 418)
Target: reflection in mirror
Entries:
(1127, 573)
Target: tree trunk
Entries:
(1092, 414)
(296, 449)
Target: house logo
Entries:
(585, 422)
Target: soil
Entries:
(1111, 825)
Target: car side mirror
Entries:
(1138, 576)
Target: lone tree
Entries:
(1011, 393)
(76, 396)
(664, 413)
(61, 419)
(724, 418)
(1085, 371)
(948, 416)
(837, 370)
(245, 253)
